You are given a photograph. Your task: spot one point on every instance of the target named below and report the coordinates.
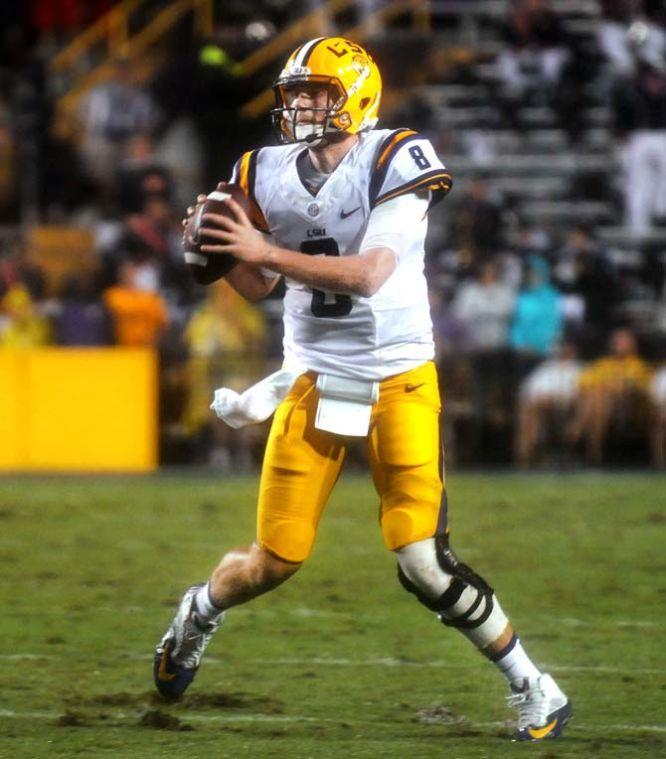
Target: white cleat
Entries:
(543, 710)
(178, 655)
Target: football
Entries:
(205, 267)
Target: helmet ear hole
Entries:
(364, 103)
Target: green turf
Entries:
(340, 662)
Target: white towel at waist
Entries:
(257, 403)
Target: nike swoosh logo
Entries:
(411, 388)
(345, 214)
(542, 732)
(162, 672)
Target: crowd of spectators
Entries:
(545, 356)
(534, 338)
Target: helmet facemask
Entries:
(286, 118)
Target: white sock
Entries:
(516, 665)
(206, 608)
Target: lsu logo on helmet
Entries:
(352, 80)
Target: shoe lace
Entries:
(531, 705)
(193, 639)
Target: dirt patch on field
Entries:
(72, 719)
(438, 714)
(208, 509)
(194, 701)
(159, 720)
(113, 699)
(222, 700)
(468, 732)
(47, 575)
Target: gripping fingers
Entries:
(226, 249)
(214, 234)
(191, 209)
(219, 221)
(238, 212)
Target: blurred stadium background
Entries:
(547, 263)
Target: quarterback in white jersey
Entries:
(343, 208)
(389, 331)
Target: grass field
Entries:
(340, 662)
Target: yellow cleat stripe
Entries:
(542, 732)
(162, 673)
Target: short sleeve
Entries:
(406, 162)
(392, 224)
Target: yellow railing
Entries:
(113, 29)
(166, 19)
(315, 22)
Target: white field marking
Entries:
(19, 657)
(573, 622)
(248, 611)
(256, 718)
(388, 661)
(216, 718)
(11, 714)
(304, 611)
(604, 669)
(384, 661)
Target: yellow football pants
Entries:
(302, 464)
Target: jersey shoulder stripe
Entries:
(406, 161)
(437, 181)
(390, 145)
(246, 177)
(385, 152)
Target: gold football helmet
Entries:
(351, 78)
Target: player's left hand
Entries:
(233, 234)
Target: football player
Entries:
(346, 207)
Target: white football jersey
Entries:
(336, 333)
